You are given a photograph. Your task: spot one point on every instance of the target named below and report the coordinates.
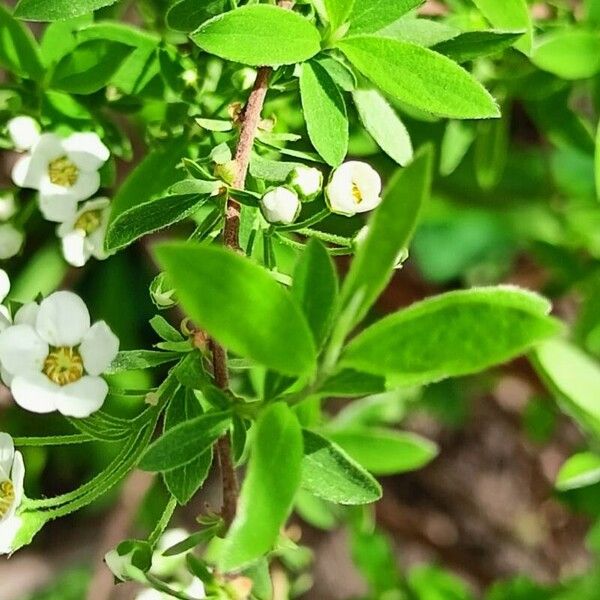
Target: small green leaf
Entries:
(509, 15)
(325, 113)
(19, 51)
(338, 11)
(477, 44)
(228, 296)
(403, 70)
(491, 152)
(268, 491)
(580, 470)
(132, 360)
(453, 334)
(259, 35)
(382, 122)
(458, 138)
(384, 451)
(369, 16)
(57, 10)
(187, 15)
(329, 473)
(185, 442)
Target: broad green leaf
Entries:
(509, 15)
(569, 53)
(423, 32)
(404, 71)
(369, 16)
(241, 305)
(90, 66)
(580, 470)
(188, 15)
(453, 334)
(382, 122)
(19, 52)
(385, 451)
(349, 383)
(329, 473)
(184, 482)
(476, 44)
(338, 11)
(390, 230)
(185, 442)
(259, 35)
(57, 10)
(325, 113)
(315, 288)
(268, 491)
(574, 378)
(339, 71)
(597, 162)
(150, 217)
(491, 152)
(132, 360)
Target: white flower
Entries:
(24, 132)
(307, 182)
(8, 206)
(63, 170)
(11, 241)
(280, 205)
(355, 187)
(194, 590)
(12, 473)
(83, 234)
(165, 566)
(55, 363)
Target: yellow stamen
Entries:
(7, 497)
(89, 221)
(63, 365)
(357, 193)
(63, 172)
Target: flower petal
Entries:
(8, 532)
(75, 249)
(86, 150)
(83, 397)
(17, 477)
(7, 454)
(34, 169)
(20, 171)
(35, 392)
(27, 314)
(87, 184)
(63, 319)
(57, 207)
(22, 350)
(99, 348)
(4, 284)
(11, 241)
(24, 132)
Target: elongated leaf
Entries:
(57, 10)
(19, 51)
(325, 113)
(338, 11)
(349, 383)
(132, 360)
(597, 162)
(510, 15)
(491, 152)
(475, 44)
(390, 230)
(268, 491)
(458, 138)
(580, 470)
(259, 35)
(382, 122)
(241, 305)
(369, 16)
(329, 473)
(188, 15)
(423, 32)
(384, 451)
(185, 442)
(404, 71)
(452, 334)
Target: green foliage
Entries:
(369, 16)
(19, 51)
(57, 10)
(513, 15)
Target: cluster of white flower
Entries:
(12, 473)
(64, 171)
(354, 187)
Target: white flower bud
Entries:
(8, 206)
(307, 182)
(11, 240)
(129, 560)
(281, 206)
(24, 132)
(355, 187)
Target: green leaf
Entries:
(453, 334)
(259, 35)
(574, 378)
(423, 32)
(349, 383)
(185, 481)
(90, 66)
(390, 230)
(382, 122)
(338, 11)
(325, 113)
(132, 360)
(315, 288)
(57, 10)
(369, 16)
(569, 54)
(580, 470)
(491, 152)
(241, 305)
(329, 473)
(477, 44)
(597, 162)
(185, 442)
(187, 15)
(509, 15)
(384, 451)
(268, 491)
(19, 52)
(458, 138)
(404, 71)
(150, 217)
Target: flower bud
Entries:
(8, 205)
(24, 132)
(354, 187)
(162, 292)
(11, 240)
(244, 79)
(129, 560)
(307, 182)
(280, 205)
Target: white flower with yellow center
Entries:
(354, 187)
(307, 182)
(53, 357)
(280, 205)
(83, 234)
(24, 132)
(12, 473)
(63, 170)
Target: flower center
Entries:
(357, 193)
(63, 172)
(89, 221)
(7, 497)
(63, 365)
